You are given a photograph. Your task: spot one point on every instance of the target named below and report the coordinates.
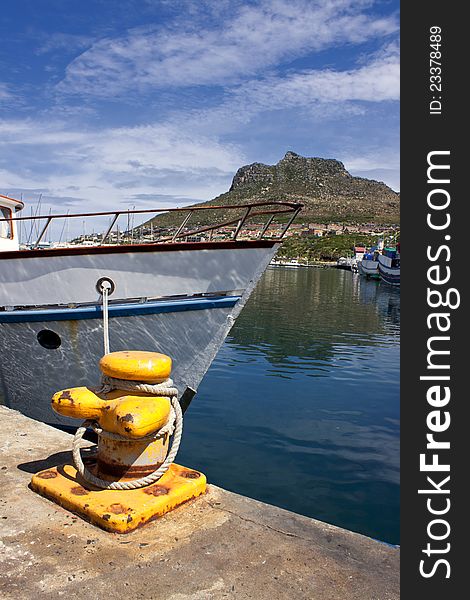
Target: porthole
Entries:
(49, 339)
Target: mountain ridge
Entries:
(327, 190)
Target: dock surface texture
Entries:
(221, 545)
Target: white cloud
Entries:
(313, 96)
(100, 170)
(5, 93)
(375, 82)
(64, 41)
(371, 162)
(254, 38)
(186, 156)
(381, 163)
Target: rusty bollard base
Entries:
(119, 511)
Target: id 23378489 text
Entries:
(435, 70)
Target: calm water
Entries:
(301, 406)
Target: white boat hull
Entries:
(389, 270)
(369, 268)
(64, 276)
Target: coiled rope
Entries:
(174, 426)
(166, 388)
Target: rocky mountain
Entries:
(327, 190)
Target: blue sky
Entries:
(108, 104)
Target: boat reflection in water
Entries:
(301, 407)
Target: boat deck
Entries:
(220, 546)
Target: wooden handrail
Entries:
(160, 211)
(276, 208)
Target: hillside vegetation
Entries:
(328, 248)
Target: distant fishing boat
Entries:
(179, 295)
(294, 263)
(346, 263)
(389, 265)
(368, 266)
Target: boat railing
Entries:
(273, 219)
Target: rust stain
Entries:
(159, 514)
(117, 509)
(73, 326)
(144, 521)
(114, 469)
(79, 491)
(156, 490)
(190, 474)
(65, 395)
(47, 475)
(127, 418)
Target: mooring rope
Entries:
(143, 481)
(165, 388)
(105, 293)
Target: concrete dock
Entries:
(220, 545)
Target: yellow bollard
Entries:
(121, 487)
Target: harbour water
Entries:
(300, 409)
